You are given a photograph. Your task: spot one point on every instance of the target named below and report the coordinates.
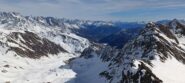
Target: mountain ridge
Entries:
(137, 61)
(60, 50)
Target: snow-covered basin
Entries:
(24, 70)
(88, 70)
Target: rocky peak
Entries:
(9, 14)
(150, 25)
(154, 41)
(178, 27)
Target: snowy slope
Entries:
(24, 70)
(33, 52)
(172, 71)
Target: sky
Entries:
(106, 10)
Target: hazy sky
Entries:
(115, 10)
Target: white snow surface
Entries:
(171, 71)
(24, 70)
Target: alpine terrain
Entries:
(37, 49)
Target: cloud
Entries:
(85, 9)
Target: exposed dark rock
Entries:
(4, 71)
(7, 66)
(35, 46)
(143, 75)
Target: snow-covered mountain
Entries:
(38, 49)
(53, 50)
(156, 55)
(35, 51)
